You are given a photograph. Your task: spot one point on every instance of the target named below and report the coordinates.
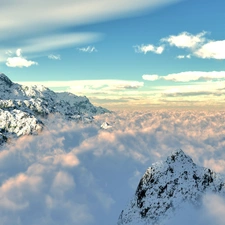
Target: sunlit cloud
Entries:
(217, 165)
(152, 77)
(88, 86)
(185, 40)
(75, 168)
(115, 94)
(211, 50)
(19, 61)
(197, 45)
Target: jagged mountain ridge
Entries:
(22, 108)
(165, 186)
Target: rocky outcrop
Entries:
(165, 186)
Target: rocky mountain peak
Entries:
(167, 185)
(4, 80)
(178, 156)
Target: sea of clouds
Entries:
(74, 173)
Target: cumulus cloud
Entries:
(74, 173)
(211, 50)
(19, 61)
(197, 45)
(88, 49)
(185, 40)
(54, 57)
(148, 48)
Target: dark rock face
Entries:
(166, 185)
(4, 80)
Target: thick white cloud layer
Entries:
(81, 174)
(209, 214)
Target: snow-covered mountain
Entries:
(23, 108)
(166, 186)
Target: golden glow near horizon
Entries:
(118, 94)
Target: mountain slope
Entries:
(165, 186)
(23, 108)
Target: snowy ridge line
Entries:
(24, 109)
(166, 186)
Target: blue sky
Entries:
(120, 54)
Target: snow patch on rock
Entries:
(164, 188)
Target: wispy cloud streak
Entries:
(56, 17)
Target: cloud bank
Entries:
(188, 76)
(189, 85)
(79, 174)
(130, 94)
